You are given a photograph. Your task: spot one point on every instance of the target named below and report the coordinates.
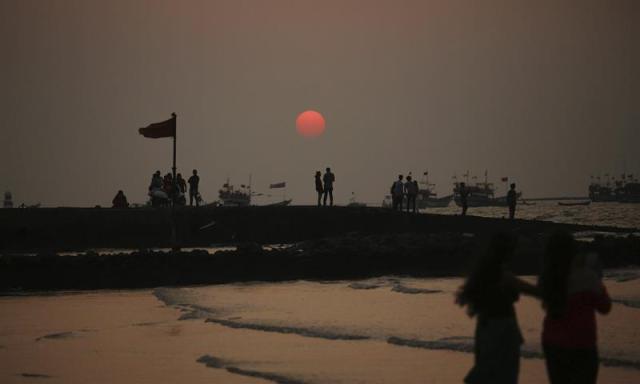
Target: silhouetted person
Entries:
(168, 184)
(156, 181)
(397, 193)
(512, 198)
(319, 188)
(120, 201)
(572, 291)
(194, 181)
(328, 179)
(182, 184)
(411, 189)
(464, 195)
(489, 293)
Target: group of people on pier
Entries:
(404, 190)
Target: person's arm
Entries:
(602, 301)
(524, 287)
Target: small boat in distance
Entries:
(481, 194)
(574, 204)
(232, 197)
(426, 198)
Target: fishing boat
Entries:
(427, 198)
(574, 204)
(354, 203)
(232, 197)
(625, 190)
(481, 194)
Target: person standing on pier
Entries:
(194, 181)
(397, 193)
(328, 179)
(319, 188)
(512, 198)
(182, 184)
(411, 189)
(464, 194)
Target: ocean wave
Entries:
(627, 302)
(413, 291)
(57, 336)
(365, 285)
(170, 296)
(306, 332)
(467, 347)
(215, 362)
(35, 375)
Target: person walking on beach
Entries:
(411, 189)
(397, 193)
(194, 181)
(512, 198)
(328, 179)
(464, 195)
(489, 293)
(319, 188)
(572, 292)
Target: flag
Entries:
(278, 185)
(165, 128)
(505, 179)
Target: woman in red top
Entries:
(572, 291)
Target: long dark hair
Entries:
(553, 282)
(487, 273)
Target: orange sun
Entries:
(310, 124)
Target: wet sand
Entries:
(258, 334)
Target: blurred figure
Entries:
(120, 201)
(572, 291)
(8, 200)
(328, 179)
(156, 181)
(319, 188)
(489, 293)
(512, 198)
(397, 193)
(411, 190)
(194, 181)
(464, 195)
(182, 184)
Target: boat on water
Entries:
(481, 194)
(282, 203)
(625, 190)
(235, 197)
(354, 203)
(427, 198)
(574, 204)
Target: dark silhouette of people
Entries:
(411, 190)
(167, 184)
(512, 198)
(464, 195)
(156, 181)
(182, 184)
(120, 201)
(194, 181)
(572, 291)
(397, 193)
(319, 188)
(328, 179)
(489, 293)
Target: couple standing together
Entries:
(324, 186)
(571, 290)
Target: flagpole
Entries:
(175, 138)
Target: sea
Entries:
(389, 329)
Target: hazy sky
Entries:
(546, 92)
